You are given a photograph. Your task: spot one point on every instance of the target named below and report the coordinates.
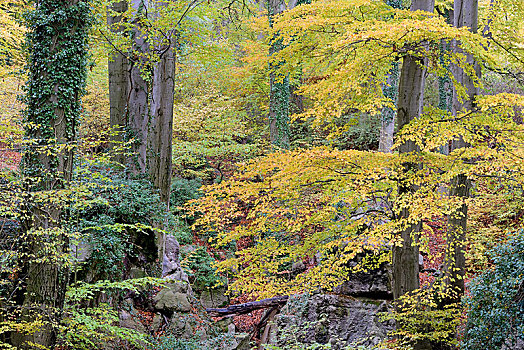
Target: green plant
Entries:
(116, 219)
(496, 303)
(95, 327)
(198, 265)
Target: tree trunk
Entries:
(409, 106)
(445, 85)
(161, 112)
(279, 88)
(410, 99)
(242, 309)
(118, 84)
(138, 100)
(57, 38)
(387, 122)
(465, 14)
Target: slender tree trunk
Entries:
(57, 37)
(445, 85)
(465, 14)
(387, 123)
(279, 88)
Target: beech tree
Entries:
(142, 80)
(465, 15)
(118, 77)
(409, 106)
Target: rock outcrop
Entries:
(338, 320)
(348, 316)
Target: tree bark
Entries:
(138, 116)
(149, 106)
(465, 15)
(387, 122)
(118, 66)
(409, 106)
(161, 123)
(241, 309)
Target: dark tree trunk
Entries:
(410, 99)
(409, 106)
(465, 14)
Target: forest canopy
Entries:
(302, 174)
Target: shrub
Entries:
(496, 303)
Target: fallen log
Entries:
(241, 309)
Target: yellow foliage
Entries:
(12, 36)
(323, 206)
(343, 50)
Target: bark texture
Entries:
(137, 127)
(387, 123)
(465, 15)
(161, 119)
(118, 66)
(144, 109)
(409, 106)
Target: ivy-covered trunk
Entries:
(57, 43)
(279, 88)
(465, 15)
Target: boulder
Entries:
(81, 251)
(157, 323)
(136, 272)
(128, 320)
(171, 258)
(373, 283)
(370, 284)
(171, 300)
(214, 298)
